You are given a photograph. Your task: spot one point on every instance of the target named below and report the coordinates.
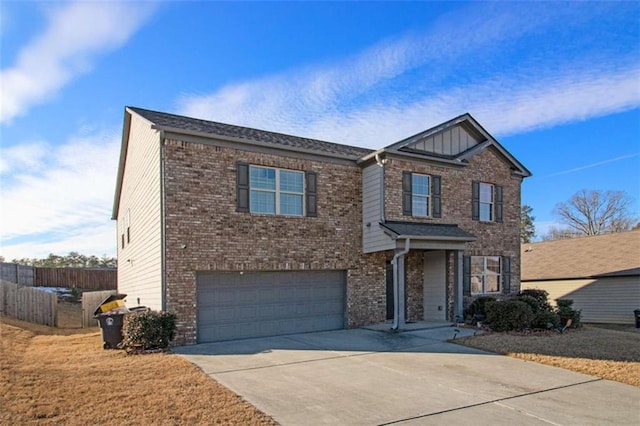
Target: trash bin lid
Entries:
(111, 298)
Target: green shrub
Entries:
(478, 308)
(509, 315)
(545, 319)
(148, 330)
(541, 296)
(566, 312)
(533, 303)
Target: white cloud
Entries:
(64, 205)
(76, 33)
(407, 84)
(27, 155)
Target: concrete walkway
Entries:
(367, 377)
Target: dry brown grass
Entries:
(54, 376)
(609, 354)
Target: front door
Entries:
(389, 277)
(435, 286)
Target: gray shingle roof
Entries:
(615, 254)
(428, 230)
(278, 140)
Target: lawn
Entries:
(608, 352)
(63, 376)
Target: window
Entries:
(486, 274)
(276, 191)
(486, 202)
(420, 195)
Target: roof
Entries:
(616, 254)
(181, 124)
(482, 140)
(432, 231)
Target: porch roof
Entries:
(426, 231)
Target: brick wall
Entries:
(201, 214)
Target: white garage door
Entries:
(258, 304)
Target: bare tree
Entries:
(596, 212)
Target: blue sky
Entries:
(558, 84)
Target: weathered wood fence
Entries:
(84, 278)
(28, 304)
(90, 302)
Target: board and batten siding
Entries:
(602, 300)
(448, 142)
(373, 238)
(139, 262)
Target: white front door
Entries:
(435, 286)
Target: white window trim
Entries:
(277, 191)
(492, 203)
(485, 274)
(427, 197)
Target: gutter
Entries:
(163, 238)
(396, 285)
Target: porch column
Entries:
(401, 293)
(458, 310)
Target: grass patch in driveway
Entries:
(53, 376)
(609, 354)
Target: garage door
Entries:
(257, 304)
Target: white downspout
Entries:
(396, 284)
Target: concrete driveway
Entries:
(365, 377)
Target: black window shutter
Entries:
(312, 194)
(242, 188)
(435, 196)
(466, 275)
(498, 205)
(506, 274)
(406, 194)
(475, 200)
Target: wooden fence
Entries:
(18, 274)
(86, 279)
(90, 302)
(28, 304)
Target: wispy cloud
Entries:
(76, 34)
(64, 202)
(592, 165)
(406, 84)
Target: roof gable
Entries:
(454, 142)
(614, 254)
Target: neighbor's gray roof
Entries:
(616, 254)
(178, 123)
(437, 231)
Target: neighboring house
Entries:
(601, 274)
(244, 233)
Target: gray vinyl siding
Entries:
(139, 263)
(373, 238)
(452, 141)
(605, 300)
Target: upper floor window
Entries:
(420, 195)
(486, 202)
(276, 191)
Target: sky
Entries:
(556, 83)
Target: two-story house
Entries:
(246, 233)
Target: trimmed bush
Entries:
(478, 308)
(541, 296)
(566, 312)
(148, 330)
(543, 320)
(509, 315)
(533, 303)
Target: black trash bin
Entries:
(110, 314)
(637, 313)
